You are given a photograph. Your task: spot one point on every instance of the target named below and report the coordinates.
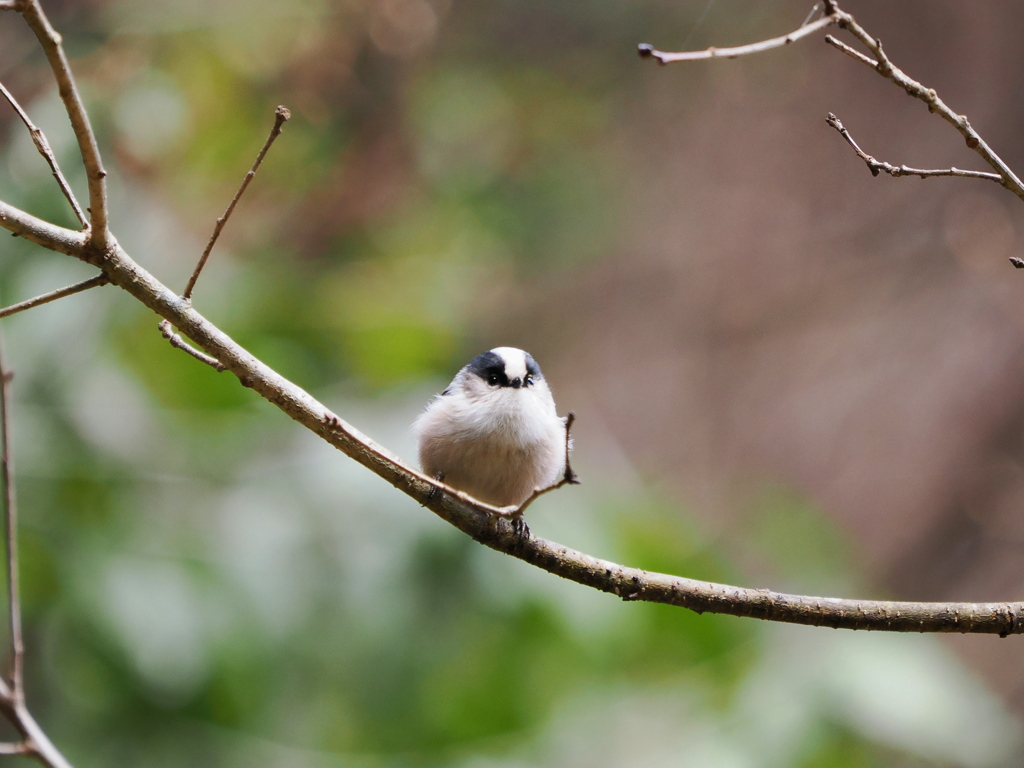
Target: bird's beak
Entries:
(516, 383)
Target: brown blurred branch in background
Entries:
(12, 695)
(281, 115)
(877, 166)
(39, 139)
(17, 690)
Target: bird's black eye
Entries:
(528, 380)
(493, 379)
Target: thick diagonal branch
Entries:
(477, 520)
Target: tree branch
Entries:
(39, 139)
(876, 166)
(891, 72)
(50, 41)
(568, 477)
(11, 528)
(470, 516)
(179, 343)
(46, 298)
(881, 64)
(35, 743)
(647, 52)
(281, 115)
(12, 696)
(478, 520)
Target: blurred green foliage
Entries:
(205, 585)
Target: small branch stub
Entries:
(179, 343)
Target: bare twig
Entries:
(35, 743)
(184, 346)
(39, 139)
(281, 115)
(891, 72)
(12, 695)
(11, 528)
(46, 298)
(876, 166)
(815, 9)
(50, 41)
(881, 64)
(568, 477)
(853, 53)
(646, 51)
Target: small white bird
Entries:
(494, 432)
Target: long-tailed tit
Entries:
(493, 432)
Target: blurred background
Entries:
(787, 374)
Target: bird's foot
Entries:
(520, 528)
(439, 476)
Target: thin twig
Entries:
(184, 346)
(881, 64)
(853, 53)
(568, 477)
(39, 139)
(646, 51)
(35, 743)
(50, 41)
(814, 10)
(891, 72)
(281, 115)
(46, 298)
(877, 166)
(11, 529)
